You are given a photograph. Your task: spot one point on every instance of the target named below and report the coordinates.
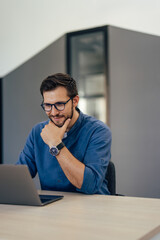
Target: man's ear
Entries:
(75, 101)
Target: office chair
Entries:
(111, 178)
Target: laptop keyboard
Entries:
(46, 198)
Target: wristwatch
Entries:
(54, 150)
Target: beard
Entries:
(59, 116)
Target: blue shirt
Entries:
(89, 140)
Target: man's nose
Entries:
(54, 110)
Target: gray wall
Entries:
(134, 76)
(134, 97)
(22, 99)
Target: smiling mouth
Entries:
(56, 118)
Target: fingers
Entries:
(66, 123)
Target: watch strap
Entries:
(60, 146)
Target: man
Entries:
(71, 150)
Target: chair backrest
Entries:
(111, 178)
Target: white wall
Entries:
(28, 26)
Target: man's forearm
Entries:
(72, 167)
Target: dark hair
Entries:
(57, 80)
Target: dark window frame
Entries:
(105, 30)
(1, 127)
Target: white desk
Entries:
(81, 217)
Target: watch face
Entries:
(54, 151)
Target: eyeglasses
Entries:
(60, 106)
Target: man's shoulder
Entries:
(93, 124)
(90, 120)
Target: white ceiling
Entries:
(28, 26)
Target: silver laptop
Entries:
(17, 187)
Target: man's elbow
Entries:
(91, 189)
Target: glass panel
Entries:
(94, 107)
(94, 84)
(87, 67)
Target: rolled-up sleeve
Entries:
(96, 160)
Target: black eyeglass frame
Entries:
(54, 104)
